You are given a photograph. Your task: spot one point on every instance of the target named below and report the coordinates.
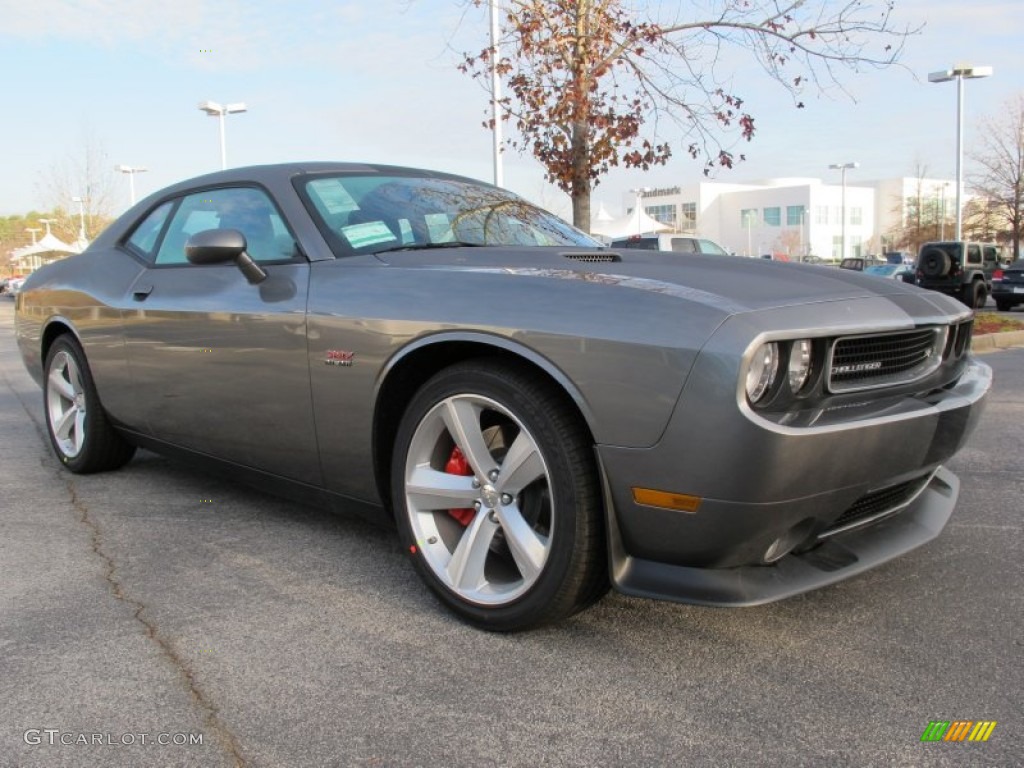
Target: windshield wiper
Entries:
(426, 246)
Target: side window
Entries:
(973, 254)
(706, 246)
(684, 245)
(246, 209)
(991, 253)
(143, 239)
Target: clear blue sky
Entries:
(376, 81)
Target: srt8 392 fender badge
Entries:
(339, 357)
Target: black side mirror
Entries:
(217, 246)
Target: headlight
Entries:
(799, 364)
(761, 373)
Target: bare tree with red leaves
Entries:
(584, 77)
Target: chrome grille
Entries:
(885, 359)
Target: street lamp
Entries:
(843, 167)
(499, 176)
(131, 170)
(213, 109)
(639, 192)
(958, 73)
(81, 220)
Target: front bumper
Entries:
(759, 485)
(834, 560)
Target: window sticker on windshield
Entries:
(333, 195)
(368, 233)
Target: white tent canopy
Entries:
(636, 223)
(46, 244)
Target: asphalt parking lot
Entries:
(145, 610)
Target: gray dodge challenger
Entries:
(540, 416)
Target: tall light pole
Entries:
(213, 109)
(959, 72)
(131, 170)
(81, 220)
(33, 231)
(843, 167)
(499, 175)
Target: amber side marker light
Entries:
(666, 500)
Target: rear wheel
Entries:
(1003, 305)
(78, 427)
(975, 295)
(496, 497)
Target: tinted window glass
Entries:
(371, 214)
(246, 209)
(143, 239)
(639, 243)
(708, 246)
(973, 254)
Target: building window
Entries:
(821, 215)
(794, 215)
(748, 217)
(689, 216)
(773, 216)
(666, 214)
(856, 245)
(837, 246)
(856, 215)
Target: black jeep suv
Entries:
(942, 267)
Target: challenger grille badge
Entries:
(339, 357)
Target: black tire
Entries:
(79, 429)
(1003, 306)
(517, 415)
(975, 295)
(934, 263)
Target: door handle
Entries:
(141, 292)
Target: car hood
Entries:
(729, 283)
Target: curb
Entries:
(992, 342)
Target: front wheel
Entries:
(496, 497)
(78, 427)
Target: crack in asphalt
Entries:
(117, 589)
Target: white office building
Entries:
(795, 217)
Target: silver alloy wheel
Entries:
(65, 401)
(499, 555)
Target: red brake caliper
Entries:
(457, 465)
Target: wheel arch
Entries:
(54, 328)
(415, 364)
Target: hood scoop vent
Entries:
(594, 257)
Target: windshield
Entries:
(375, 213)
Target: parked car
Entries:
(1008, 286)
(540, 416)
(941, 266)
(895, 271)
(899, 257)
(860, 263)
(14, 285)
(677, 243)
